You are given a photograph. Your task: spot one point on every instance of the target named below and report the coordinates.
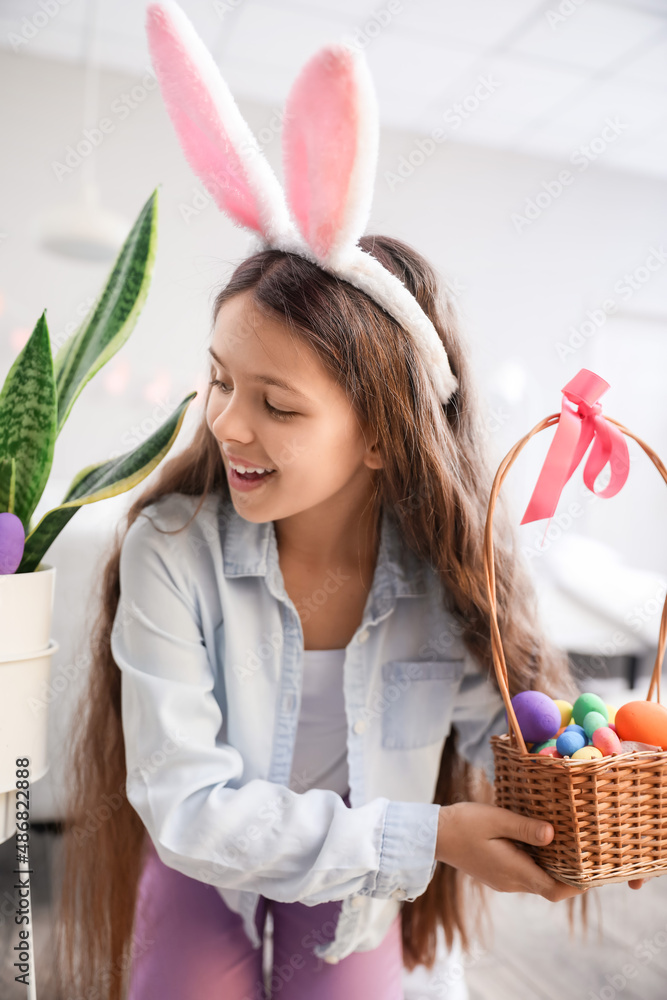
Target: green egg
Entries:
(585, 703)
(593, 721)
(547, 743)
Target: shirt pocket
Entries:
(419, 699)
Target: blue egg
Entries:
(577, 729)
(569, 741)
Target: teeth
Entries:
(248, 468)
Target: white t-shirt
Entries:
(320, 751)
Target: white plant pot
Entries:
(26, 611)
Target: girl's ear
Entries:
(215, 137)
(330, 147)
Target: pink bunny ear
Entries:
(216, 139)
(330, 147)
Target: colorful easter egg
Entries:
(540, 746)
(611, 712)
(643, 722)
(550, 752)
(12, 542)
(606, 740)
(593, 721)
(574, 728)
(565, 710)
(570, 741)
(587, 753)
(612, 725)
(537, 715)
(585, 703)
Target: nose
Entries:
(232, 423)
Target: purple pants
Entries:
(188, 943)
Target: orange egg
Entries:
(645, 721)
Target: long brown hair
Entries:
(435, 481)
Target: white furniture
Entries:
(592, 603)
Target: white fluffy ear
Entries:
(330, 149)
(215, 137)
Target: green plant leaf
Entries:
(97, 482)
(7, 484)
(28, 414)
(114, 314)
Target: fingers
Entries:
(562, 891)
(524, 875)
(637, 883)
(535, 879)
(524, 828)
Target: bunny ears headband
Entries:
(330, 143)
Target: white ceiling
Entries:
(559, 69)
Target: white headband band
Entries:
(330, 139)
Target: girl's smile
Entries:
(247, 481)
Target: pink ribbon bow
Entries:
(574, 431)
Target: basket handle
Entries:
(489, 572)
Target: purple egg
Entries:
(12, 542)
(538, 715)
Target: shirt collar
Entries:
(251, 549)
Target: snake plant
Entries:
(39, 392)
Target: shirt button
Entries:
(363, 636)
(356, 902)
(359, 726)
(398, 894)
(331, 959)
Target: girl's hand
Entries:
(637, 883)
(477, 838)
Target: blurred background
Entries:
(523, 151)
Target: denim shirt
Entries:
(209, 646)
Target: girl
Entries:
(292, 691)
(359, 554)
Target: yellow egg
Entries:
(612, 712)
(565, 711)
(587, 753)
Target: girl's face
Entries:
(305, 429)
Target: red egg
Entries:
(549, 752)
(644, 721)
(606, 740)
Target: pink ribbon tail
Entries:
(574, 432)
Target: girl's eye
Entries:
(279, 414)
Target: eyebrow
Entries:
(265, 379)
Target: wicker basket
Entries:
(609, 814)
